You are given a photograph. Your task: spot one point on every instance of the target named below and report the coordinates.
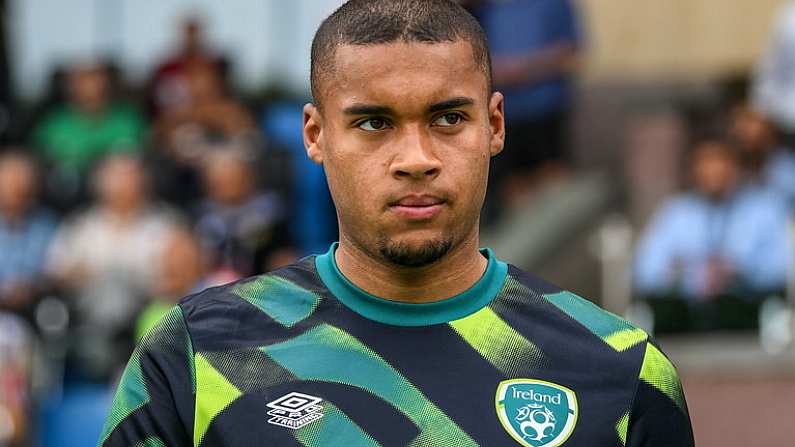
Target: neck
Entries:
(124, 215)
(454, 273)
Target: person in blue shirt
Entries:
(721, 237)
(25, 232)
(535, 47)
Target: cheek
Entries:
(356, 182)
(474, 163)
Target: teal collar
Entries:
(408, 314)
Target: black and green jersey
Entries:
(303, 357)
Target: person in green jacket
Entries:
(73, 136)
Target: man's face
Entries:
(121, 185)
(405, 136)
(17, 186)
(227, 179)
(714, 170)
(89, 88)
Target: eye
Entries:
(448, 120)
(373, 124)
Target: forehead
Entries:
(403, 74)
(713, 152)
(16, 168)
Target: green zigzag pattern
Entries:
(132, 393)
(612, 329)
(279, 298)
(660, 373)
(329, 354)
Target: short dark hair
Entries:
(370, 22)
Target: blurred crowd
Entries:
(117, 200)
(713, 254)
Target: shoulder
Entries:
(680, 204)
(758, 198)
(86, 220)
(126, 112)
(160, 217)
(579, 317)
(675, 211)
(597, 353)
(631, 346)
(57, 115)
(274, 301)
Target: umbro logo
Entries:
(295, 410)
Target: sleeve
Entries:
(155, 399)
(659, 415)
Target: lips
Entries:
(418, 201)
(418, 207)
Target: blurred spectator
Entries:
(244, 228)
(75, 135)
(774, 83)
(106, 257)
(719, 238)
(185, 133)
(16, 355)
(535, 46)
(769, 161)
(26, 231)
(208, 115)
(182, 271)
(169, 85)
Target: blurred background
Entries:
(149, 149)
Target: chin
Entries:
(414, 252)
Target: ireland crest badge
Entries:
(536, 413)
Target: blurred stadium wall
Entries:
(675, 38)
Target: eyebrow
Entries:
(367, 109)
(372, 109)
(451, 104)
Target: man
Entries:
(722, 238)
(26, 231)
(105, 259)
(169, 83)
(242, 227)
(404, 333)
(73, 137)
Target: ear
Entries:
(497, 123)
(313, 133)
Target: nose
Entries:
(415, 158)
